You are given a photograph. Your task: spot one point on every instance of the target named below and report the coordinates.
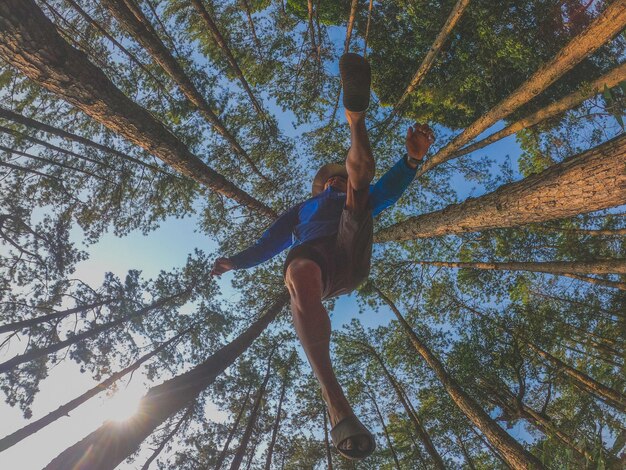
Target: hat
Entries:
(323, 174)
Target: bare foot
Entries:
(355, 117)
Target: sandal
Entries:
(350, 428)
(356, 78)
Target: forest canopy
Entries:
(491, 331)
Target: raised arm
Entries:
(274, 240)
(392, 184)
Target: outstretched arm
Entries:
(274, 240)
(392, 184)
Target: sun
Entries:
(123, 404)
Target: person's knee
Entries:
(304, 281)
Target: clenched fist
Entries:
(419, 138)
(221, 266)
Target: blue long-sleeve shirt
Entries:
(319, 216)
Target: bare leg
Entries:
(310, 319)
(360, 161)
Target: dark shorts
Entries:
(344, 258)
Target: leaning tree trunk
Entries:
(419, 427)
(112, 443)
(57, 315)
(512, 451)
(64, 410)
(571, 269)
(40, 126)
(270, 448)
(233, 430)
(223, 44)
(40, 352)
(608, 24)
(590, 181)
(610, 79)
(385, 431)
(30, 42)
(243, 445)
(168, 438)
(132, 19)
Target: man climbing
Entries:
(331, 238)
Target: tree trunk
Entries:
(329, 457)
(233, 430)
(41, 352)
(241, 451)
(466, 454)
(19, 325)
(246, 7)
(270, 449)
(30, 43)
(384, 426)
(132, 19)
(168, 438)
(64, 410)
(112, 443)
(611, 397)
(572, 100)
(419, 427)
(512, 451)
(31, 123)
(590, 181)
(346, 44)
(561, 268)
(221, 42)
(608, 24)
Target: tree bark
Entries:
(19, 325)
(417, 423)
(246, 7)
(64, 410)
(614, 266)
(590, 181)
(112, 443)
(168, 438)
(607, 25)
(512, 451)
(233, 430)
(329, 457)
(384, 426)
(30, 43)
(572, 100)
(223, 44)
(611, 397)
(243, 445)
(270, 448)
(41, 352)
(132, 19)
(32, 123)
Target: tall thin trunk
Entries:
(329, 456)
(233, 430)
(614, 266)
(168, 438)
(132, 19)
(611, 397)
(223, 44)
(57, 315)
(243, 445)
(346, 43)
(32, 123)
(607, 25)
(112, 443)
(30, 42)
(587, 182)
(270, 448)
(314, 46)
(41, 352)
(419, 427)
(466, 454)
(570, 101)
(125, 51)
(64, 410)
(571, 269)
(385, 431)
(511, 450)
(246, 7)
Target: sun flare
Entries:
(122, 405)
